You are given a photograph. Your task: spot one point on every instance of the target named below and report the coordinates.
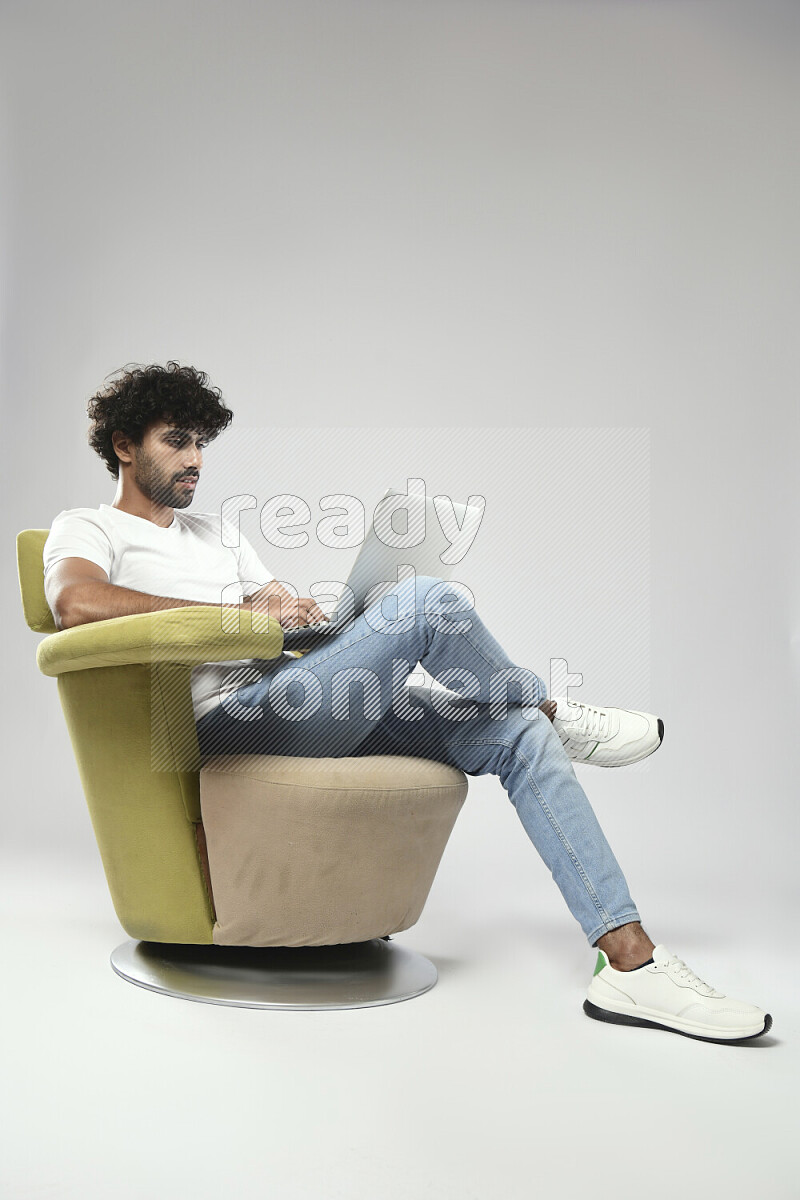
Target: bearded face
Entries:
(161, 483)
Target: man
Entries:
(145, 553)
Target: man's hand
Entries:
(280, 605)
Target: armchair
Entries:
(300, 920)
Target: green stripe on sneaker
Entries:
(591, 752)
(601, 962)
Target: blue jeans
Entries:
(488, 723)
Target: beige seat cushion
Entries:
(321, 851)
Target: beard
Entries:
(159, 487)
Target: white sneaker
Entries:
(606, 737)
(665, 994)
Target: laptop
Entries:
(375, 570)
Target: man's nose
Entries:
(194, 458)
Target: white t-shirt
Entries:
(187, 560)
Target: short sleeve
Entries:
(78, 535)
(251, 568)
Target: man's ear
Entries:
(122, 446)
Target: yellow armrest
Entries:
(190, 635)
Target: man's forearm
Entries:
(98, 601)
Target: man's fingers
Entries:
(292, 613)
(310, 612)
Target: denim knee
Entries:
(421, 585)
(411, 595)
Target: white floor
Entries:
(493, 1084)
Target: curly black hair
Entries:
(142, 395)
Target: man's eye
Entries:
(177, 443)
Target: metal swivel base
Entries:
(353, 975)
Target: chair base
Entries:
(352, 975)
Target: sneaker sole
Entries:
(613, 1018)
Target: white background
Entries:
(486, 227)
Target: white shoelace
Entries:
(687, 974)
(591, 726)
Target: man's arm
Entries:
(78, 592)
